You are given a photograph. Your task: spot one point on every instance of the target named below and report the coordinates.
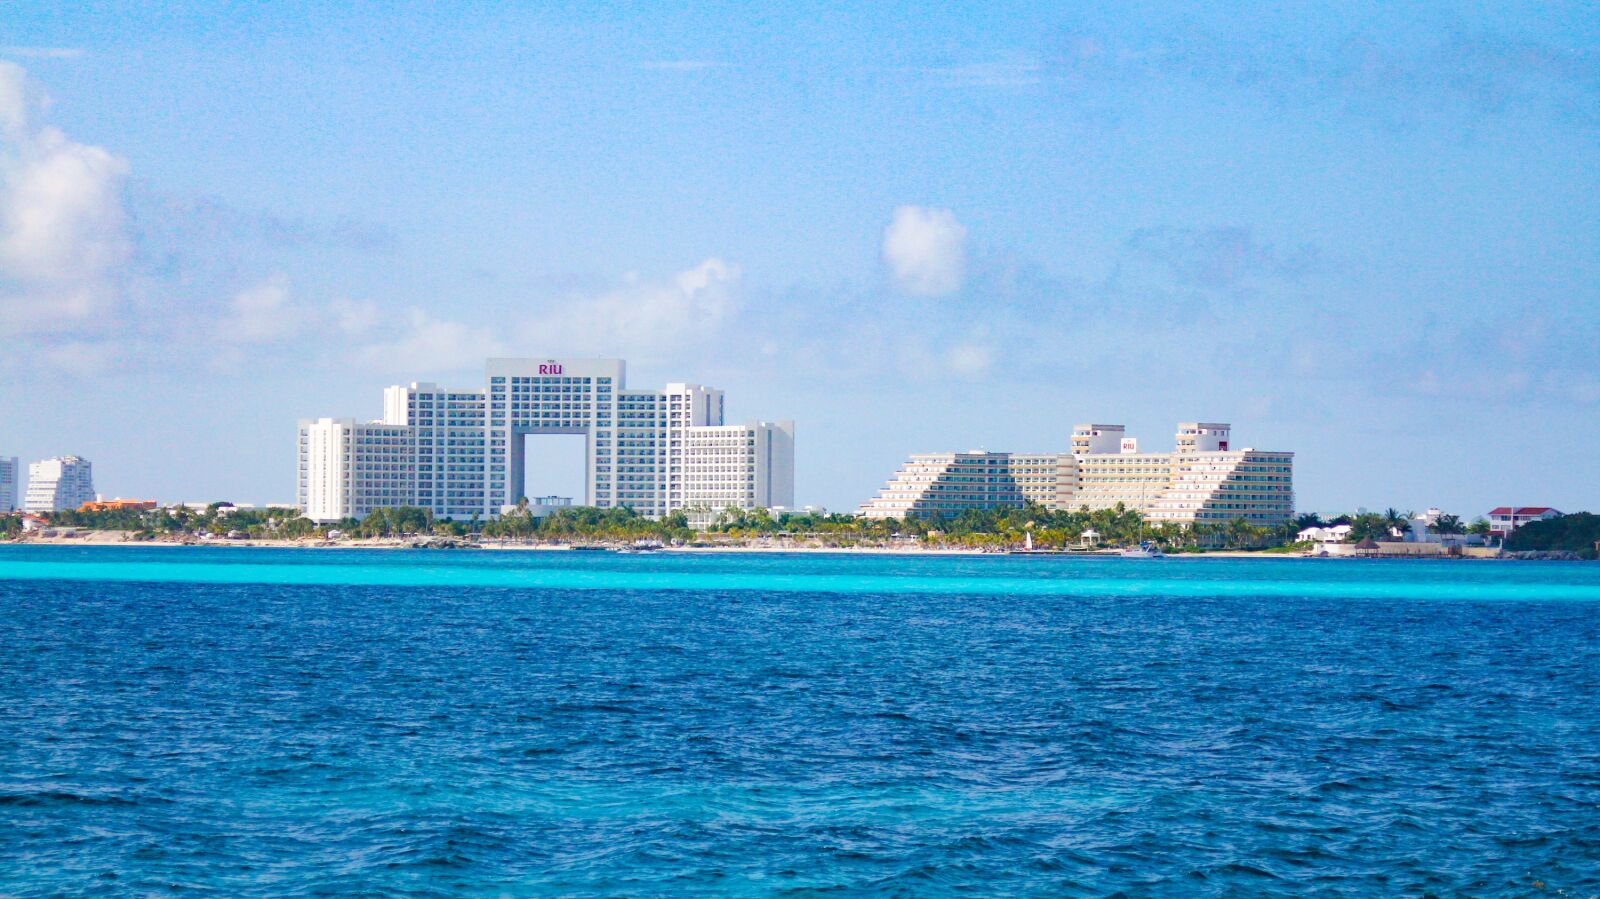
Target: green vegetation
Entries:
(1577, 533)
(1370, 525)
(996, 529)
(588, 524)
(402, 521)
(218, 519)
(978, 529)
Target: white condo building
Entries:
(460, 453)
(8, 483)
(1202, 480)
(59, 484)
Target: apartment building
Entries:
(8, 484)
(55, 485)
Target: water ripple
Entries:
(399, 725)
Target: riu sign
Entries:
(549, 368)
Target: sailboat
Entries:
(1147, 549)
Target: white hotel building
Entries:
(1202, 480)
(460, 453)
(8, 483)
(59, 484)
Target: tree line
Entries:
(1384, 525)
(997, 528)
(217, 519)
(1576, 533)
(977, 528)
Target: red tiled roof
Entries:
(1520, 510)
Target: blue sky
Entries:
(1368, 235)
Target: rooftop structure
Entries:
(117, 505)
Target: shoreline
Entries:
(121, 538)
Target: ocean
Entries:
(263, 722)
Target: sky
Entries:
(1366, 233)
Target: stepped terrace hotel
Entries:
(1202, 480)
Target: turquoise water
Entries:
(280, 722)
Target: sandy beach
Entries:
(125, 538)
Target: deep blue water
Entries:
(280, 722)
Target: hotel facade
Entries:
(8, 483)
(1203, 480)
(460, 453)
(59, 484)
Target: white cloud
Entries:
(641, 320)
(1010, 70)
(428, 344)
(970, 359)
(262, 314)
(42, 52)
(81, 358)
(352, 318)
(926, 251)
(271, 312)
(681, 65)
(642, 317)
(63, 228)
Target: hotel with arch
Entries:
(459, 452)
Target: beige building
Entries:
(1202, 480)
(1136, 480)
(936, 484)
(1046, 479)
(1213, 487)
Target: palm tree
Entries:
(1368, 525)
(1237, 532)
(1285, 531)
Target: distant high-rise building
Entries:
(8, 484)
(55, 485)
(1203, 480)
(459, 453)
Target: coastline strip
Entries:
(444, 576)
